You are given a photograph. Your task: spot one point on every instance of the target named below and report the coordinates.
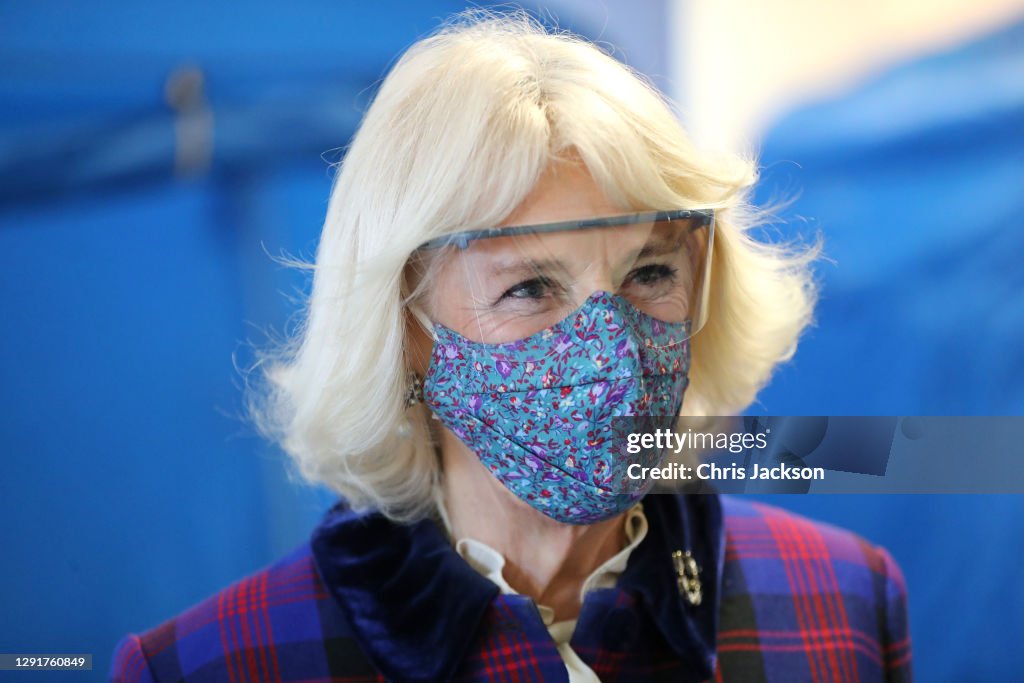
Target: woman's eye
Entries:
(652, 274)
(537, 288)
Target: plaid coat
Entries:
(785, 599)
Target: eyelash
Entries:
(510, 293)
(660, 271)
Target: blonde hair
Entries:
(457, 135)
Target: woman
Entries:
(522, 247)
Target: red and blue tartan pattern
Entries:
(805, 601)
(799, 601)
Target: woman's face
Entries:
(503, 289)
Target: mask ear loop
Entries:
(413, 382)
(411, 303)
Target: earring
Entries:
(414, 394)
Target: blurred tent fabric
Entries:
(155, 157)
(916, 182)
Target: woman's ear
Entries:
(419, 337)
(419, 341)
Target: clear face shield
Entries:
(504, 285)
(545, 336)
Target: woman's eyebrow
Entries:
(521, 265)
(662, 244)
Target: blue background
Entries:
(916, 182)
(132, 487)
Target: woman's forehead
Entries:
(565, 190)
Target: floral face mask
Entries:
(539, 412)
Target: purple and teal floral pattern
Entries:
(539, 412)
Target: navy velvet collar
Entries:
(414, 604)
